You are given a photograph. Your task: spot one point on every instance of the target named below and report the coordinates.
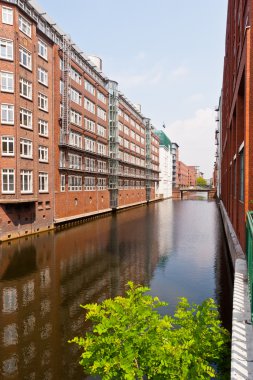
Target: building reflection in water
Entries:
(45, 278)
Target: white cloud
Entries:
(148, 77)
(179, 73)
(195, 137)
(194, 98)
(141, 56)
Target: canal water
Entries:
(177, 248)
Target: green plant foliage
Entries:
(200, 181)
(131, 340)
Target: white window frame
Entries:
(43, 182)
(10, 146)
(74, 183)
(89, 106)
(43, 76)
(25, 88)
(42, 102)
(63, 182)
(89, 184)
(25, 26)
(7, 81)
(90, 144)
(101, 113)
(25, 58)
(10, 183)
(101, 131)
(101, 149)
(89, 125)
(75, 139)
(43, 153)
(101, 184)
(7, 109)
(26, 181)
(25, 118)
(7, 15)
(26, 148)
(6, 47)
(43, 127)
(75, 161)
(75, 76)
(75, 96)
(75, 118)
(89, 87)
(42, 49)
(101, 97)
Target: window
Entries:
(43, 127)
(89, 106)
(101, 97)
(25, 88)
(8, 181)
(121, 127)
(42, 49)
(7, 82)
(89, 87)
(26, 177)
(75, 118)
(7, 15)
(241, 156)
(25, 118)
(101, 130)
(126, 130)
(102, 167)
(90, 164)
(74, 183)
(101, 183)
(75, 161)
(90, 144)
(62, 159)
(63, 182)
(43, 182)
(42, 102)
(26, 148)
(25, 26)
(7, 114)
(89, 125)
(75, 76)
(102, 149)
(75, 139)
(75, 96)
(101, 113)
(43, 153)
(7, 146)
(89, 183)
(6, 49)
(25, 58)
(42, 76)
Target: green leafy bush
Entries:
(131, 340)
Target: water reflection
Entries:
(176, 247)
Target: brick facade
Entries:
(57, 148)
(236, 147)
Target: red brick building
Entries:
(236, 147)
(71, 144)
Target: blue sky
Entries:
(167, 55)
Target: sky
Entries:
(166, 55)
